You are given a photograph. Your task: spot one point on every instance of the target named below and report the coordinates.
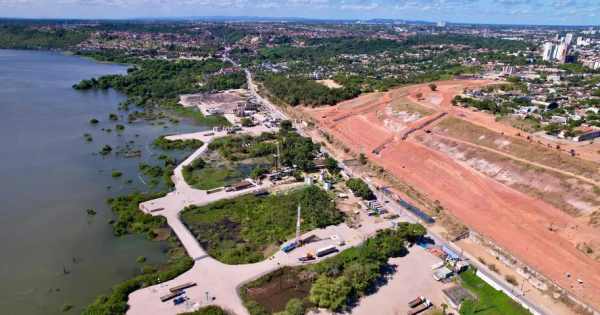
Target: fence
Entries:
(405, 204)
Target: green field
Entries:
(211, 177)
(491, 301)
(249, 229)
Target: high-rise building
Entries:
(557, 38)
(548, 51)
(486, 32)
(568, 38)
(563, 51)
(441, 24)
(509, 70)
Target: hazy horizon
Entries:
(507, 12)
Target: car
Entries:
(341, 243)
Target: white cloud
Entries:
(268, 5)
(371, 6)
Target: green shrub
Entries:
(106, 150)
(65, 307)
(140, 259)
(116, 174)
(94, 121)
(360, 188)
(511, 279)
(146, 270)
(90, 211)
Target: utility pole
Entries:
(278, 158)
(298, 226)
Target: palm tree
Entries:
(444, 307)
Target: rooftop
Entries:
(457, 294)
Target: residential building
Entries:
(548, 51)
(569, 38)
(441, 24)
(509, 70)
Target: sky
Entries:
(540, 12)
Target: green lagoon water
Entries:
(49, 177)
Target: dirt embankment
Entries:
(506, 202)
(457, 128)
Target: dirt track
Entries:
(512, 219)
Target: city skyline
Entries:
(510, 12)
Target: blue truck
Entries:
(290, 246)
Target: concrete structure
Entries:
(441, 24)
(568, 39)
(548, 51)
(456, 295)
(588, 133)
(509, 70)
(563, 51)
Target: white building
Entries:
(569, 38)
(548, 51)
(441, 24)
(509, 70)
(563, 51)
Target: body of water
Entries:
(50, 176)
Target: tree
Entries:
(553, 128)
(246, 122)
(295, 307)
(444, 307)
(362, 159)
(330, 293)
(362, 277)
(331, 164)
(360, 188)
(419, 95)
(286, 125)
(112, 116)
(94, 121)
(433, 86)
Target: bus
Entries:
(326, 250)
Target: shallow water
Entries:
(49, 176)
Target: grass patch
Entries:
(166, 144)
(238, 230)
(197, 118)
(491, 301)
(525, 124)
(406, 105)
(210, 178)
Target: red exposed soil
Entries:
(511, 219)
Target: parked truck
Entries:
(290, 246)
(442, 273)
(414, 303)
(308, 256)
(171, 295)
(419, 309)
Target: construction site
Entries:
(532, 198)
